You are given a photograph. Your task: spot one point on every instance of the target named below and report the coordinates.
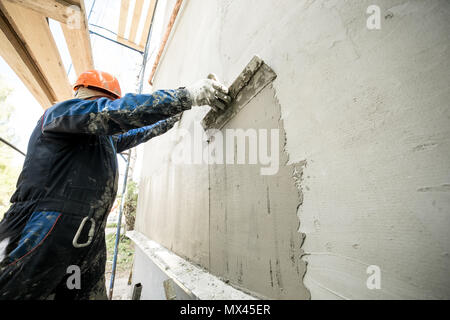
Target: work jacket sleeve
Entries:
(109, 117)
(135, 137)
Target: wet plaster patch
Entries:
(255, 241)
(442, 188)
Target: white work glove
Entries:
(209, 92)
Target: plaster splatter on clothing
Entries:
(70, 173)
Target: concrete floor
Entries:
(122, 291)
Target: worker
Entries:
(55, 225)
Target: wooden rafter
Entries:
(124, 7)
(17, 55)
(14, 57)
(135, 20)
(130, 44)
(34, 31)
(131, 40)
(55, 9)
(79, 43)
(27, 45)
(148, 22)
(78, 39)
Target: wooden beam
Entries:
(34, 31)
(79, 43)
(124, 6)
(135, 20)
(16, 54)
(55, 9)
(23, 71)
(130, 44)
(78, 39)
(148, 22)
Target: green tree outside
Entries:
(129, 207)
(9, 171)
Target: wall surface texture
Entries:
(366, 114)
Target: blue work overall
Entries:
(67, 188)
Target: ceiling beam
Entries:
(131, 41)
(124, 7)
(14, 59)
(34, 31)
(79, 43)
(77, 36)
(21, 60)
(135, 20)
(148, 22)
(130, 44)
(56, 9)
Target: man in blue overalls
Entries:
(69, 181)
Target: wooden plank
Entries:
(148, 22)
(22, 69)
(130, 44)
(124, 6)
(34, 31)
(136, 18)
(55, 9)
(15, 53)
(78, 40)
(79, 43)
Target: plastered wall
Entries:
(365, 110)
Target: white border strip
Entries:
(188, 276)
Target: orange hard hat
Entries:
(100, 80)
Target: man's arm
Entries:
(135, 137)
(109, 117)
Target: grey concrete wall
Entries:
(366, 110)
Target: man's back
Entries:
(64, 167)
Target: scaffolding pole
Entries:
(122, 201)
(11, 145)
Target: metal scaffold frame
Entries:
(122, 201)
